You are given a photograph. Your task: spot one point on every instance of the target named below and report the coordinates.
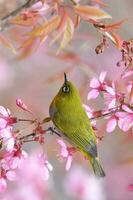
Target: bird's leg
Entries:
(53, 130)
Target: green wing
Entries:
(83, 141)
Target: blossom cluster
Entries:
(118, 103)
(12, 154)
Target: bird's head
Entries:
(68, 90)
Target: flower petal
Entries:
(93, 94)
(121, 114)
(10, 144)
(112, 104)
(3, 123)
(3, 111)
(127, 109)
(94, 83)
(11, 176)
(111, 125)
(62, 143)
(102, 76)
(3, 185)
(6, 133)
(69, 162)
(110, 90)
(130, 187)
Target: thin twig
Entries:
(26, 120)
(4, 22)
(109, 112)
(50, 129)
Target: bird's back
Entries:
(70, 118)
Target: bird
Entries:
(70, 119)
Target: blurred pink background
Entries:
(31, 80)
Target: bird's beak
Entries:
(65, 78)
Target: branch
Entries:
(32, 136)
(100, 113)
(5, 21)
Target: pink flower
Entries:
(66, 153)
(112, 96)
(80, 185)
(22, 105)
(130, 91)
(90, 114)
(97, 85)
(127, 74)
(38, 166)
(4, 176)
(40, 8)
(6, 125)
(89, 111)
(130, 187)
(125, 118)
(45, 166)
(13, 160)
(111, 124)
(6, 120)
(3, 185)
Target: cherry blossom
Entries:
(4, 176)
(130, 187)
(6, 120)
(38, 166)
(112, 97)
(22, 105)
(80, 185)
(130, 91)
(66, 153)
(111, 124)
(89, 111)
(3, 184)
(45, 166)
(7, 138)
(6, 128)
(39, 7)
(125, 118)
(97, 85)
(14, 159)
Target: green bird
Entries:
(70, 119)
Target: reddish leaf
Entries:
(25, 19)
(115, 38)
(4, 41)
(101, 3)
(46, 28)
(91, 12)
(118, 40)
(68, 34)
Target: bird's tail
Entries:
(97, 167)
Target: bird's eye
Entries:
(66, 89)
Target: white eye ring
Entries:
(66, 89)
